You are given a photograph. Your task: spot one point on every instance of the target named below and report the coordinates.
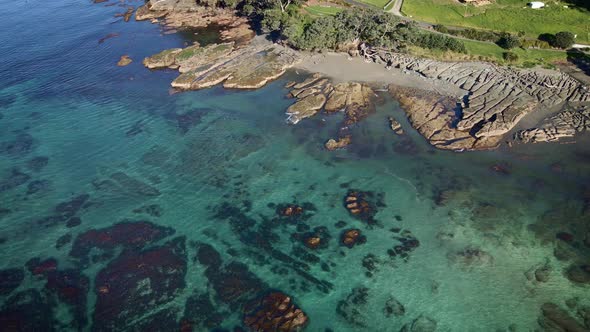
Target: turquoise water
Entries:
(211, 167)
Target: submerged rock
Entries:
(124, 61)
(420, 324)
(15, 179)
(395, 126)
(352, 237)
(357, 203)
(579, 274)
(342, 142)
(471, 257)
(393, 308)
(275, 312)
(554, 318)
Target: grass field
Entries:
(323, 10)
(493, 53)
(504, 15)
(377, 3)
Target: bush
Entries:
(535, 44)
(435, 41)
(508, 41)
(510, 56)
(563, 40)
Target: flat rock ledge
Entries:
(317, 92)
(496, 98)
(565, 124)
(247, 67)
(183, 14)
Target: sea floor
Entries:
(126, 207)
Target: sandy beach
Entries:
(341, 67)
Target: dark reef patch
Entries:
(137, 283)
(10, 279)
(201, 313)
(36, 186)
(153, 210)
(29, 310)
(352, 308)
(126, 234)
(37, 164)
(14, 179)
(22, 144)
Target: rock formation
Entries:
(180, 14)
(565, 124)
(495, 100)
(354, 99)
(248, 67)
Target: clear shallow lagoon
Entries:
(213, 165)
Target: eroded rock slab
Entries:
(495, 100)
(248, 67)
(565, 124)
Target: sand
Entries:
(341, 67)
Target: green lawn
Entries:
(377, 3)
(492, 52)
(323, 10)
(503, 15)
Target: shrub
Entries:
(508, 41)
(510, 56)
(563, 40)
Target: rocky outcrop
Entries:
(275, 312)
(435, 116)
(395, 126)
(342, 142)
(565, 124)
(124, 61)
(180, 14)
(354, 99)
(248, 67)
(495, 100)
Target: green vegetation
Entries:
(504, 15)
(563, 40)
(508, 41)
(323, 10)
(377, 3)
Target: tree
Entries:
(563, 40)
(508, 41)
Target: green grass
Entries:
(504, 15)
(323, 10)
(377, 3)
(494, 53)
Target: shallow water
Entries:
(212, 165)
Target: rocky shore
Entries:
(455, 105)
(186, 14)
(496, 99)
